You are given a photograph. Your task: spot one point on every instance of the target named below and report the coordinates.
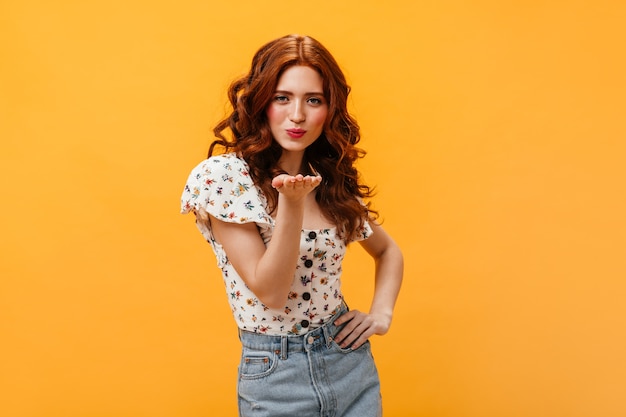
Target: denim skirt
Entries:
(307, 375)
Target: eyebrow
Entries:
(317, 93)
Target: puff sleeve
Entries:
(363, 232)
(221, 187)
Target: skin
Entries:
(268, 271)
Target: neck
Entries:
(291, 162)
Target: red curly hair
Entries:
(332, 155)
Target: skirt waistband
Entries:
(282, 345)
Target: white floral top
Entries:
(221, 187)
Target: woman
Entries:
(279, 207)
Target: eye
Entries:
(281, 99)
(315, 101)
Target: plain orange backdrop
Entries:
(496, 140)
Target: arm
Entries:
(269, 272)
(388, 275)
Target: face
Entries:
(298, 109)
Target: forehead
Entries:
(300, 78)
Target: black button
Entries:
(312, 235)
(304, 323)
(308, 263)
(306, 296)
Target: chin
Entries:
(294, 147)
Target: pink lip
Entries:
(296, 133)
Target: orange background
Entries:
(496, 140)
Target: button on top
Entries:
(306, 296)
(304, 323)
(312, 235)
(308, 263)
(310, 340)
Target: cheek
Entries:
(273, 114)
(319, 117)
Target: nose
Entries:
(296, 115)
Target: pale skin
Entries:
(269, 270)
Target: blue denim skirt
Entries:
(307, 375)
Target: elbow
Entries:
(272, 299)
(270, 289)
(273, 302)
(275, 306)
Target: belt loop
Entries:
(328, 334)
(283, 347)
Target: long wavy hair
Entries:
(341, 196)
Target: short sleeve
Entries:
(363, 232)
(221, 187)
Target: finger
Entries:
(282, 179)
(351, 322)
(296, 181)
(365, 327)
(345, 317)
(289, 181)
(315, 181)
(278, 181)
(353, 336)
(361, 339)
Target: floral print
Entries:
(221, 187)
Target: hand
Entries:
(360, 326)
(295, 187)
